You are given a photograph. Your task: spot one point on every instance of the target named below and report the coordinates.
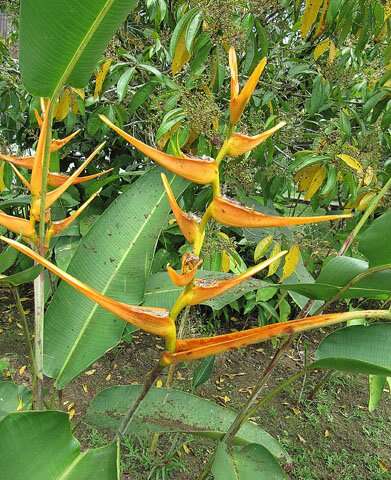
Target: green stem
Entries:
(148, 384)
(351, 283)
(39, 283)
(27, 335)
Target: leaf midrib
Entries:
(96, 306)
(83, 44)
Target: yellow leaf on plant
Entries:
(332, 53)
(63, 105)
(304, 177)
(225, 261)
(181, 55)
(262, 247)
(159, 383)
(22, 370)
(321, 48)
(85, 388)
(350, 161)
(273, 267)
(71, 413)
(291, 261)
(2, 184)
(316, 182)
(186, 449)
(20, 405)
(368, 176)
(311, 11)
(100, 77)
(365, 201)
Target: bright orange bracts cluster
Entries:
(225, 211)
(61, 182)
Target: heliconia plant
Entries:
(222, 209)
(76, 61)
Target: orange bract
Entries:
(231, 213)
(152, 320)
(240, 99)
(20, 226)
(187, 223)
(190, 264)
(238, 143)
(203, 289)
(198, 170)
(196, 348)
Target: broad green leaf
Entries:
(160, 292)
(203, 371)
(376, 387)
(375, 242)
(123, 82)
(13, 397)
(115, 258)
(7, 258)
(20, 278)
(337, 273)
(251, 462)
(357, 349)
(61, 41)
(40, 446)
(168, 410)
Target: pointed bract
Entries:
(240, 99)
(203, 289)
(21, 177)
(36, 175)
(196, 348)
(17, 225)
(197, 170)
(230, 213)
(58, 143)
(238, 143)
(190, 264)
(54, 195)
(54, 179)
(149, 319)
(187, 223)
(59, 226)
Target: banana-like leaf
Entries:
(168, 410)
(13, 397)
(40, 446)
(62, 40)
(337, 273)
(251, 462)
(114, 258)
(375, 243)
(357, 349)
(20, 278)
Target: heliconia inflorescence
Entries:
(225, 211)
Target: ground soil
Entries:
(330, 437)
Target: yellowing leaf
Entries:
(22, 370)
(304, 177)
(368, 176)
(273, 267)
(100, 77)
(291, 261)
(365, 201)
(225, 261)
(262, 247)
(159, 383)
(63, 105)
(181, 55)
(2, 184)
(20, 405)
(350, 161)
(321, 48)
(332, 53)
(316, 182)
(311, 11)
